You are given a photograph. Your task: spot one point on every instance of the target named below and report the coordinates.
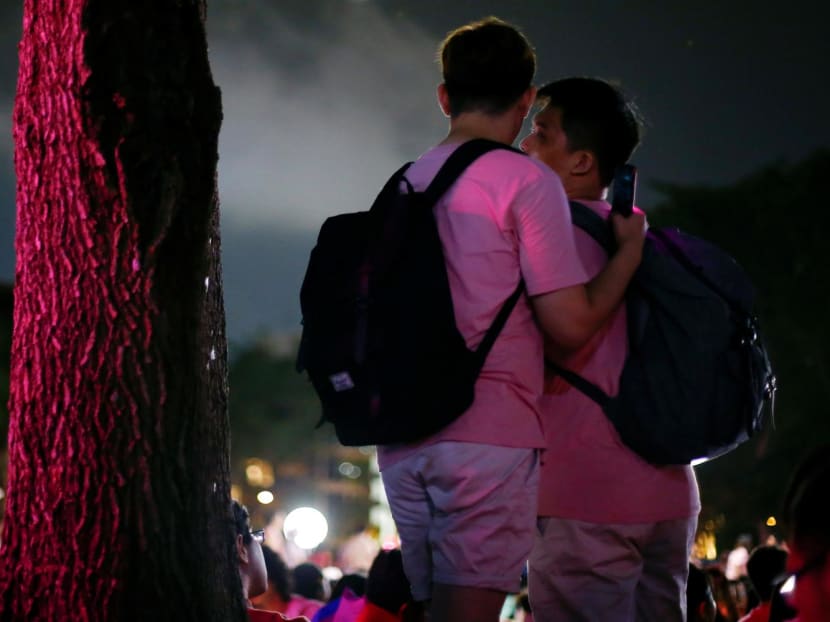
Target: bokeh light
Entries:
(259, 472)
(265, 497)
(305, 527)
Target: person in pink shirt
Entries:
(614, 532)
(464, 499)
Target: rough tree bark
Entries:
(118, 487)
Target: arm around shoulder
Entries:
(570, 316)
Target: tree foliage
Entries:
(274, 412)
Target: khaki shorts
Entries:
(466, 514)
(588, 572)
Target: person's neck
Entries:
(469, 125)
(577, 192)
(245, 585)
(270, 599)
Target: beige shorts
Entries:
(466, 514)
(588, 572)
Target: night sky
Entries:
(323, 99)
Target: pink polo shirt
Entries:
(587, 472)
(505, 218)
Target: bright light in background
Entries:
(705, 546)
(771, 522)
(350, 470)
(265, 497)
(332, 574)
(254, 473)
(699, 461)
(305, 527)
(379, 513)
(259, 472)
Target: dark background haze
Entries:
(323, 99)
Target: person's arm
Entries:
(571, 315)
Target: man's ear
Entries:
(527, 100)
(583, 162)
(241, 549)
(444, 99)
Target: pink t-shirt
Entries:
(302, 606)
(587, 472)
(505, 218)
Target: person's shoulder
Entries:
(516, 162)
(513, 174)
(600, 207)
(261, 615)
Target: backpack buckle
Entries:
(750, 336)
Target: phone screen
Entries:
(624, 189)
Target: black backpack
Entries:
(380, 342)
(697, 375)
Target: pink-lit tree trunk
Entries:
(118, 487)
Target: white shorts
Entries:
(466, 514)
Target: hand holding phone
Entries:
(624, 189)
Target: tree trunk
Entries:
(118, 492)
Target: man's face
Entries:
(257, 571)
(252, 566)
(547, 141)
(811, 596)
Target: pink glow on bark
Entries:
(84, 318)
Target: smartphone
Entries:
(624, 189)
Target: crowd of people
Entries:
(777, 582)
(275, 592)
(533, 479)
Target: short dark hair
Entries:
(278, 574)
(807, 505)
(241, 521)
(387, 585)
(698, 592)
(487, 65)
(765, 564)
(308, 580)
(595, 116)
(354, 581)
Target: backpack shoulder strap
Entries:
(593, 224)
(457, 163)
(584, 386)
(489, 338)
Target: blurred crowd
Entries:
(753, 582)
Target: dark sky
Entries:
(325, 98)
